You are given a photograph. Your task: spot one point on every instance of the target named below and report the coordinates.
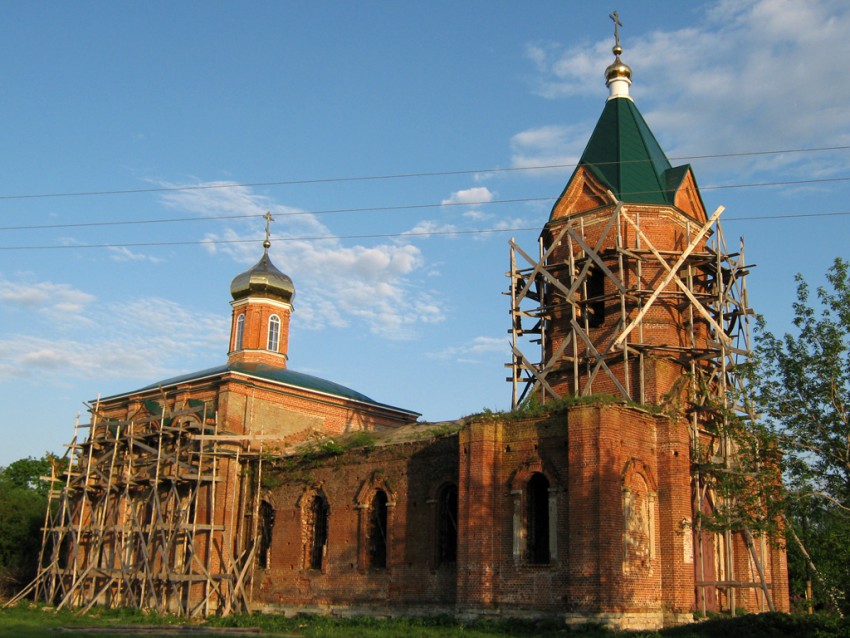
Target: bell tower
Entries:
(262, 305)
(633, 292)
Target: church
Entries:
(253, 487)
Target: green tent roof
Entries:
(624, 154)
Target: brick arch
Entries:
(274, 498)
(371, 485)
(636, 466)
(189, 419)
(317, 489)
(522, 475)
(436, 488)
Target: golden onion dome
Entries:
(618, 68)
(264, 280)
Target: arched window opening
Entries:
(267, 515)
(595, 293)
(318, 528)
(240, 332)
(538, 520)
(447, 526)
(274, 333)
(378, 531)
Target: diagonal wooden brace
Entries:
(671, 276)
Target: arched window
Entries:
(317, 528)
(274, 333)
(240, 332)
(267, 515)
(537, 519)
(447, 525)
(378, 531)
(595, 295)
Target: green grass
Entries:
(30, 621)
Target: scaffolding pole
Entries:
(132, 520)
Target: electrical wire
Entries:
(294, 213)
(399, 207)
(364, 178)
(136, 222)
(423, 233)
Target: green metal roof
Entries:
(624, 154)
(271, 373)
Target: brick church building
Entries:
(254, 487)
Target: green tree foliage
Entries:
(803, 391)
(23, 502)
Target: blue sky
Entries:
(140, 112)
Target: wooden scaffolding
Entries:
(703, 280)
(719, 300)
(137, 516)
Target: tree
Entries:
(23, 503)
(803, 391)
(738, 464)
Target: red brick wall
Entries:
(255, 332)
(619, 489)
(410, 474)
(587, 455)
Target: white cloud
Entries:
(122, 253)
(426, 228)
(43, 296)
(512, 223)
(475, 195)
(138, 338)
(473, 351)
(567, 72)
(753, 75)
(552, 145)
(336, 283)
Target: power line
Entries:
(414, 233)
(422, 233)
(363, 178)
(788, 216)
(778, 183)
(366, 209)
(133, 222)
(404, 206)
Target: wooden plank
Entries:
(671, 273)
(533, 370)
(598, 261)
(600, 360)
(235, 437)
(730, 583)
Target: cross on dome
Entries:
(617, 24)
(618, 76)
(269, 220)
